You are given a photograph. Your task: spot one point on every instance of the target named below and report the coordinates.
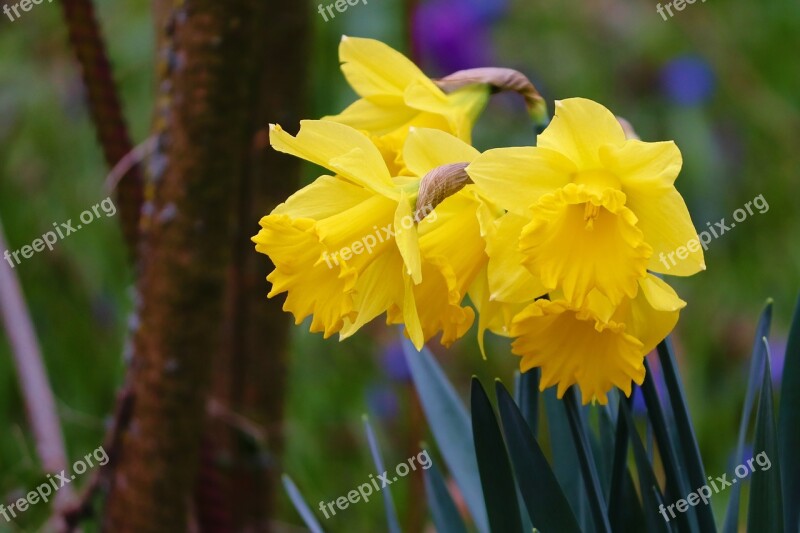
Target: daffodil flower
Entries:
(596, 346)
(396, 96)
(592, 210)
(350, 246)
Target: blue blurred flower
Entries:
(688, 80)
(453, 35)
(394, 363)
(383, 402)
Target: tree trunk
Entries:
(237, 488)
(208, 96)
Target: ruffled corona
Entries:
(597, 346)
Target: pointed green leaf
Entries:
(300, 505)
(444, 510)
(591, 478)
(689, 449)
(391, 512)
(765, 512)
(565, 457)
(788, 424)
(496, 478)
(450, 426)
(526, 394)
(624, 508)
(677, 484)
(652, 498)
(544, 499)
(753, 386)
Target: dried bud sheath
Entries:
(500, 79)
(440, 183)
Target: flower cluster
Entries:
(554, 245)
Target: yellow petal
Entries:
(378, 288)
(578, 130)
(410, 315)
(659, 294)
(493, 316)
(460, 108)
(426, 149)
(338, 148)
(643, 164)
(377, 119)
(357, 236)
(324, 197)
(652, 314)
(406, 236)
(571, 346)
(438, 299)
(314, 288)
(509, 280)
(453, 255)
(647, 172)
(578, 242)
(515, 178)
(377, 71)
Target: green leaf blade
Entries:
(499, 489)
(451, 427)
(443, 508)
(544, 499)
(753, 387)
(765, 511)
(788, 424)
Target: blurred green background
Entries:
(721, 79)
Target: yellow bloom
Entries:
(599, 208)
(396, 95)
(597, 346)
(350, 247)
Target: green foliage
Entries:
(507, 458)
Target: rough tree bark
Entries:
(208, 96)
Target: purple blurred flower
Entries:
(454, 34)
(394, 363)
(688, 80)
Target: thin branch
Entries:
(34, 385)
(128, 161)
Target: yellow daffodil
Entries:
(592, 209)
(396, 95)
(596, 346)
(350, 246)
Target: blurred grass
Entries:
(739, 144)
